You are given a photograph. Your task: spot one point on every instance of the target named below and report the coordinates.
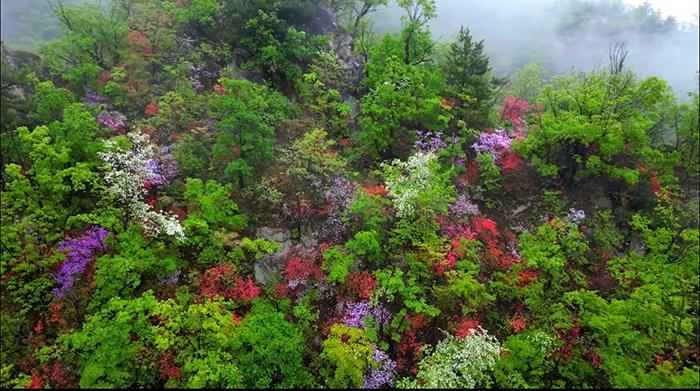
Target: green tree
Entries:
(469, 81)
(270, 350)
(247, 115)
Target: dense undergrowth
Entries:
(201, 194)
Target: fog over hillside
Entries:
(518, 32)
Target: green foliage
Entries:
(337, 263)
(400, 99)
(137, 262)
(280, 53)
(489, 172)
(468, 80)
(93, 39)
(248, 115)
(593, 124)
(395, 284)
(270, 350)
(527, 362)
(200, 336)
(366, 212)
(366, 244)
(346, 355)
(111, 344)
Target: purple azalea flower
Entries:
(383, 375)
(463, 206)
(493, 143)
(113, 119)
(356, 313)
(80, 252)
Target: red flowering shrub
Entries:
(35, 383)
(104, 78)
(151, 109)
(466, 327)
(361, 284)
(456, 250)
(514, 110)
(300, 269)
(245, 289)
(376, 190)
(222, 280)
(510, 160)
(168, 369)
(408, 352)
(517, 324)
(485, 227)
(526, 277)
(139, 42)
(220, 89)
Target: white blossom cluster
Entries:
(541, 340)
(407, 179)
(458, 363)
(128, 172)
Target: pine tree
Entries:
(469, 81)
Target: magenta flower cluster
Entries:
(494, 143)
(113, 119)
(383, 375)
(79, 252)
(356, 313)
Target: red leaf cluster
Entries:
(220, 89)
(301, 269)
(151, 109)
(168, 369)
(222, 280)
(138, 40)
(514, 110)
(510, 160)
(527, 277)
(517, 324)
(466, 327)
(376, 190)
(362, 284)
(408, 352)
(35, 383)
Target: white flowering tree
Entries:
(419, 185)
(458, 363)
(129, 172)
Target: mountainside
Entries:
(272, 194)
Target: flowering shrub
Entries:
(356, 313)
(130, 172)
(463, 206)
(362, 284)
(513, 110)
(458, 363)
(80, 252)
(418, 184)
(383, 374)
(222, 280)
(495, 143)
(112, 119)
(427, 142)
(299, 270)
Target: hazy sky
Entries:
(682, 10)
